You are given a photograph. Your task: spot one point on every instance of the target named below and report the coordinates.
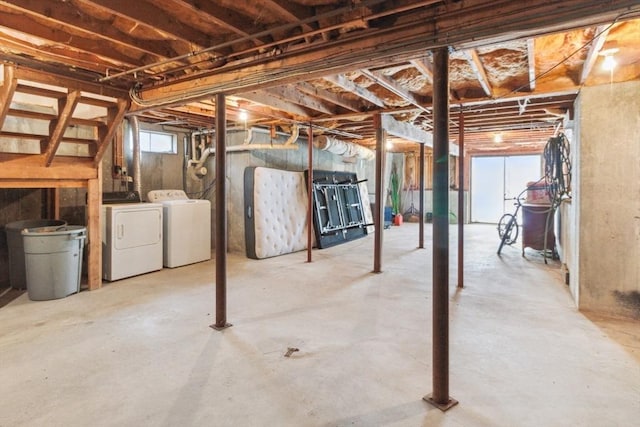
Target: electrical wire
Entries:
(557, 168)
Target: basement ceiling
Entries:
(515, 67)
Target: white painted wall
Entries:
(608, 199)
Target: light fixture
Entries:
(242, 115)
(609, 62)
(389, 145)
(497, 138)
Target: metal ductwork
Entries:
(342, 148)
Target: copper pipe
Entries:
(378, 217)
(461, 199)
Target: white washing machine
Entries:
(187, 227)
(131, 239)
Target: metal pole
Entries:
(221, 215)
(421, 198)
(379, 214)
(461, 200)
(440, 396)
(310, 195)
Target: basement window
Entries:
(158, 142)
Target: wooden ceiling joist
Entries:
(342, 81)
(328, 96)
(594, 50)
(478, 69)
(395, 88)
(290, 93)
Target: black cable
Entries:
(557, 168)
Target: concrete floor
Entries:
(139, 351)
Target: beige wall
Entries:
(608, 199)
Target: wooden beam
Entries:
(39, 137)
(115, 115)
(19, 18)
(42, 183)
(292, 94)
(7, 89)
(58, 127)
(264, 98)
(596, 45)
(290, 11)
(31, 167)
(409, 132)
(94, 230)
(216, 13)
(531, 55)
(147, 13)
(395, 88)
(24, 73)
(332, 97)
(476, 65)
(424, 68)
(348, 85)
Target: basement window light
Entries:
(158, 142)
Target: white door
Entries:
(496, 180)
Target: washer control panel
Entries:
(164, 195)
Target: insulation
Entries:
(275, 212)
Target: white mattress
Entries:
(279, 212)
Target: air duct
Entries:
(342, 148)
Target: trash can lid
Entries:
(55, 231)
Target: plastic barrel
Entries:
(17, 276)
(53, 261)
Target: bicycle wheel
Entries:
(504, 227)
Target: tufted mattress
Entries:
(275, 215)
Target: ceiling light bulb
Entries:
(609, 63)
(243, 115)
(497, 138)
(389, 145)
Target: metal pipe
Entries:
(378, 218)
(221, 216)
(421, 198)
(137, 175)
(461, 199)
(310, 194)
(440, 396)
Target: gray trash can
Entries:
(17, 275)
(53, 261)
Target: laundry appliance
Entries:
(131, 236)
(186, 227)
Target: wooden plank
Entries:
(348, 85)
(395, 88)
(596, 45)
(531, 55)
(292, 94)
(58, 127)
(48, 117)
(94, 246)
(24, 73)
(332, 97)
(150, 15)
(18, 19)
(101, 32)
(42, 183)
(264, 98)
(38, 137)
(31, 167)
(476, 65)
(7, 89)
(115, 116)
(410, 132)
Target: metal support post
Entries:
(461, 200)
(378, 217)
(221, 214)
(440, 396)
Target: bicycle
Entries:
(508, 225)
